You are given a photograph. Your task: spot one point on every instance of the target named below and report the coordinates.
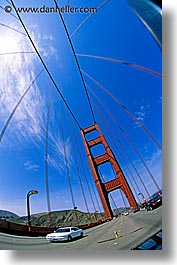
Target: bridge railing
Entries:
(8, 227)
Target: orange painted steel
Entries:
(118, 183)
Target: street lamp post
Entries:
(28, 206)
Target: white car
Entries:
(65, 234)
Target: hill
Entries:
(63, 218)
(7, 214)
(58, 218)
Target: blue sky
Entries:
(113, 32)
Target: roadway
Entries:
(132, 229)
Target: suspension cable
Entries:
(132, 165)
(17, 105)
(66, 160)
(91, 177)
(11, 53)
(67, 4)
(93, 189)
(76, 163)
(9, 13)
(121, 62)
(87, 18)
(85, 175)
(46, 164)
(4, 25)
(103, 179)
(140, 157)
(77, 62)
(43, 63)
(120, 154)
(125, 109)
(127, 137)
(123, 198)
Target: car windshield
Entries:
(62, 230)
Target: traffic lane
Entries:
(151, 218)
(138, 227)
(10, 242)
(132, 229)
(100, 236)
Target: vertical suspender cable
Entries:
(77, 62)
(66, 164)
(76, 163)
(86, 176)
(46, 164)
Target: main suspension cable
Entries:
(43, 63)
(77, 62)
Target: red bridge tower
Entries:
(117, 183)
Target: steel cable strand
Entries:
(66, 164)
(125, 109)
(111, 139)
(43, 63)
(121, 62)
(17, 105)
(77, 62)
(76, 163)
(85, 176)
(127, 137)
(87, 18)
(133, 166)
(46, 163)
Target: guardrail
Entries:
(8, 227)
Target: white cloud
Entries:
(142, 113)
(17, 73)
(30, 166)
(56, 158)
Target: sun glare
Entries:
(9, 43)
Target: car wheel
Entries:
(69, 238)
(151, 208)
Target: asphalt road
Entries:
(132, 230)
